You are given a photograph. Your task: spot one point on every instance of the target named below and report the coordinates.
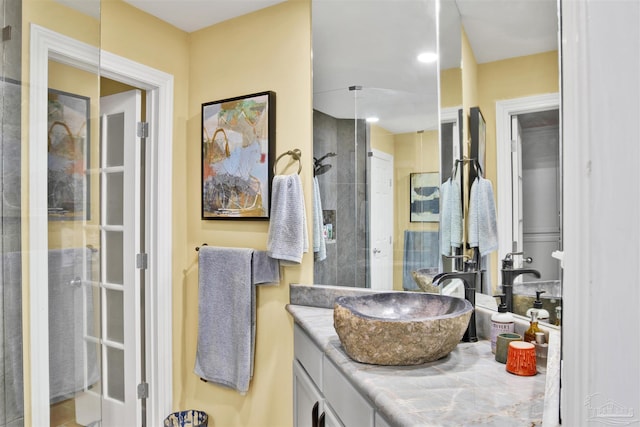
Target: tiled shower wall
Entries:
(11, 396)
(343, 193)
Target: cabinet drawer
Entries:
(352, 409)
(308, 354)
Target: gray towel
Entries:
(420, 251)
(319, 244)
(451, 216)
(264, 268)
(483, 228)
(287, 239)
(227, 313)
(70, 310)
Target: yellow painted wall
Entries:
(469, 88)
(265, 50)
(381, 139)
(451, 88)
(414, 152)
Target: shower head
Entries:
(320, 169)
(324, 157)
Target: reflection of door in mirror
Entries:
(532, 169)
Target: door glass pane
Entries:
(114, 198)
(115, 327)
(115, 147)
(113, 253)
(115, 373)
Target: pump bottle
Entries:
(543, 315)
(530, 334)
(501, 322)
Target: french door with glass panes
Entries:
(121, 276)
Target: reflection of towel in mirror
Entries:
(287, 239)
(70, 311)
(451, 216)
(483, 229)
(420, 251)
(319, 245)
(227, 312)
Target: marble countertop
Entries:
(468, 387)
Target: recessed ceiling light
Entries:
(428, 57)
(372, 119)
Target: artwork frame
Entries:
(424, 197)
(478, 135)
(68, 156)
(237, 156)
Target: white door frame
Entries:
(504, 111)
(46, 44)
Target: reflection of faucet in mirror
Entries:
(509, 274)
(469, 277)
(318, 167)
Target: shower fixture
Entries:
(318, 167)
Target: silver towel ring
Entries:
(295, 153)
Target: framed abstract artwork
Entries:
(424, 197)
(238, 146)
(67, 156)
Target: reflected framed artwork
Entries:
(67, 156)
(238, 146)
(424, 197)
(477, 132)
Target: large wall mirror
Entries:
(376, 136)
(496, 57)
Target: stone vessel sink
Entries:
(400, 328)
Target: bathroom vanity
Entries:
(467, 387)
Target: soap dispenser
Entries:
(502, 322)
(543, 315)
(530, 334)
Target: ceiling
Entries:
(496, 29)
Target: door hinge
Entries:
(143, 130)
(141, 261)
(143, 391)
(514, 146)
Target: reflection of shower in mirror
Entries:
(318, 167)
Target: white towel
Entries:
(451, 216)
(319, 245)
(287, 239)
(483, 228)
(227, 313)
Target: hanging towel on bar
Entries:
(227, 313)
(287, 239)
(420, 251)
(483, 228)
(451, 216)
(319, 244)
(73, 364)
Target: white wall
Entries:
(601, 96)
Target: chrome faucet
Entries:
(509, 274)
(469, 277)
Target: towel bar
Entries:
(295, 153)
(198, 247)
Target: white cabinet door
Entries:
(330, 418)
(307, 400)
